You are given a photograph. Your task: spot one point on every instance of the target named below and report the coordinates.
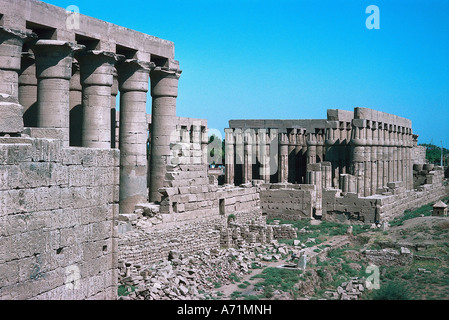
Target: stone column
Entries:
(54, 60)
(380, 155)
(333, 150)
(320, 147)
(283, 158)
(302, 155)
(374, 159)
(248, 157)
(291, 156)
(164, 91)
(205, 145)
(367, 165)
(97, 78)
(114, 93)
(264, 155)
(326, 174)
(11, 43)
(311, 147)
(386, 153)
(358, 142)
(314, 177)
(229, 156)
(391, 146)
(75, 106)
(133, 80)
(409, 139)
(28, 89)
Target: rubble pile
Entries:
(196, 276)
(349, 290)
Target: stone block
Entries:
(11, 120)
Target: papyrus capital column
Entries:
(164, 91)
(133, 81)
(53, 72)
(96, 75)
(11, 43)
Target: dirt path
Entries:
(227, 290)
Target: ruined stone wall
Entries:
(288, 201)
(194, 211)
(188, 195)
(386, 206)
(419, 154)
(148, 245)
(57, 211)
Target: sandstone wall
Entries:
(288, 201)
(194, 212)
(57, 211)
(383, 207)
(144, 246)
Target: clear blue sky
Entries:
(294, 59)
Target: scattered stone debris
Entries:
(197, 276)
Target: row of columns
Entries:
(281, 155)
(381, 153)
(337, 149)
(60, 77)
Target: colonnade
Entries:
(360, 156)
(270, 155)
(381, 153)
(63, 86)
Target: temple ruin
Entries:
(76, 173)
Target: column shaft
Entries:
(164, 91)
(229, 156)
(28, 89)
(53, 72)
(97, 70)
(133, 79)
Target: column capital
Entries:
(133, 74)
(97, 67)
(164, 82)
(54, 58)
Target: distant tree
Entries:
(215, 150)
(433, 154)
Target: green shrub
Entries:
(392, 291)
